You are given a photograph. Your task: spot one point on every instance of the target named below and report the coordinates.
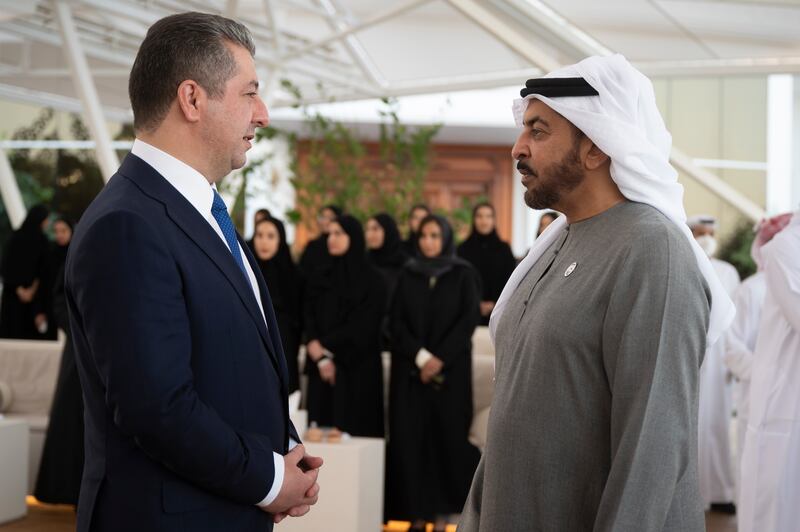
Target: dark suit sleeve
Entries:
(127, 290)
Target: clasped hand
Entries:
(300, 489)
(431, 369)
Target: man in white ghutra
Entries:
(601, 330)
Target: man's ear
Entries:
(191, 100)
(595, 158)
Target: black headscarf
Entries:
(391, 254)
(490, 256)
(316, 256)
(280, 272)
(410, 243)
(33, 221)
(344, 275)
(335, 208)
(59, 253)
(25, 253)
(447, 259)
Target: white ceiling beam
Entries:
(84, 85)
(231, 8)
(10, 193)
(560, 27)
(354, 48)
(260, 33)
(716, 185)
(14, 70)
(374, 20)
(305, 8)
(18, 94)
(489, 80)
(46, 36)
(272, 25)
(127, 10)
(721, 67)
(364, 89)
(513, 39)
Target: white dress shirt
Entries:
(193, 186)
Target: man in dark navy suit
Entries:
(184, 377)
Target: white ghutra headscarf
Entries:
(624, 122)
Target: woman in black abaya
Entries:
(315, 255)
(59, 480)
(415, 216)
(343, 309)
(285, 288)
(489, 255)
(56, 258)
(385, 252)
(430, 462)
(24, 268)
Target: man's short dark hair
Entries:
(180, 47)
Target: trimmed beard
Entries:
(553, 182)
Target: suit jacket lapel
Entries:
(197, 229)
(269, 314)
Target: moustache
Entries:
(524, 168)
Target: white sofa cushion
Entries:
(6, 397)
(31, 369)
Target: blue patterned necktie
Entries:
(220, 213)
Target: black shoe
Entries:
(723, 508)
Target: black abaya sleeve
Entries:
(404, 342)
(452, 344)
(360, 332)
(310, 301)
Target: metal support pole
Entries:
(84, 85)
(9, 190)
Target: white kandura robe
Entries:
(771, 465)
(741, 343)
(715, 460)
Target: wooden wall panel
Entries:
(457, 172)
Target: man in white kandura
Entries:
(715, 459)
(601, 330)
(742, 336)
(770, 495)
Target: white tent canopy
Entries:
(75, 55)
(355, 49)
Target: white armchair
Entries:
(30, 369)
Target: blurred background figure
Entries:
(743, 333)
(715, 459)
(415, 216)
(62, 235)
(385, 252)
(316, 255)
(61, 468)
(771, 463)
(545, 220)
(285, 288)
(489, 255)
(23, 312)
(343, 309)
(260, 214)
(430, 462)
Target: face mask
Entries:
(708, 243)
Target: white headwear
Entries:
(624, 122)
